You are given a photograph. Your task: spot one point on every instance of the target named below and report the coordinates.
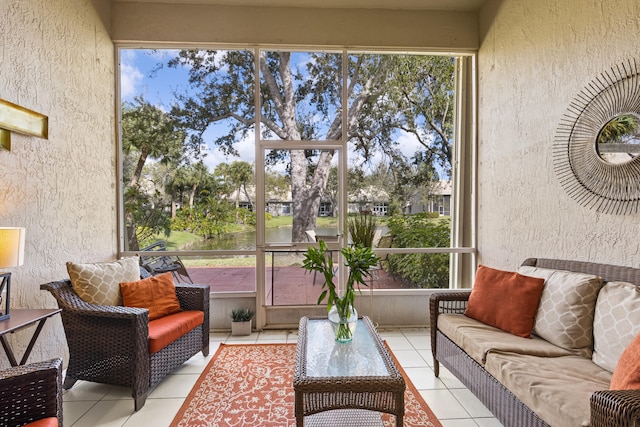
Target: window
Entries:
(226, 172)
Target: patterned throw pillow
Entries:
(616, 322)
(565, 313)
(99, 283)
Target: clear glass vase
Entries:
(343, 327)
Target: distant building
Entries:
(369, 199)
(439, 200)
(372, 199)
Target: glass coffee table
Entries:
(347, 379)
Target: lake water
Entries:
(247, 240)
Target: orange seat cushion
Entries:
(626, 376)
(157, 294)
(45, 422)
(167, 329)
(505, 300)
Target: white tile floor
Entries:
(93, 405)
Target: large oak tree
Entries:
(386, 94)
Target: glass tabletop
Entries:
(327, 358)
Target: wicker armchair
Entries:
(30, 393)
(110, 344)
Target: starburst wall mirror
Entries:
(596, 153)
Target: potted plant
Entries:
(341, 312)
(241, 321)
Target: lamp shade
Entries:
(11, 246)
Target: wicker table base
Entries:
(357, 376)
(344, 417)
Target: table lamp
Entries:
(11, 255)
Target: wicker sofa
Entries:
(111, 344)
(512, 376)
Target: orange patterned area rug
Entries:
(252, 385)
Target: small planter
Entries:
(241, 328)
(241, 321)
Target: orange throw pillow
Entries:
(45, 422)
(626, 376)
(157, 294)
(505, 300)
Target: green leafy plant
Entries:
(358, 259)
(362, 229)
(242, 314)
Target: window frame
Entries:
(463, 197)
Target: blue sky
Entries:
(145, 72)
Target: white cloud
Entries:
(245, 148)
(130, 78)
(408, 143)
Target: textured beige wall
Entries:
(535, 56)
(56, 57)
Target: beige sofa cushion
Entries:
(557, 389)
(478, 339)
(99, 283)
(616, 322)
(565, 313)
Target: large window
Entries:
(327, 145)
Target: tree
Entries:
(305, 104)
(147, 132)
(412, 179)
(237, 176)
(424, 91)
(151, 133)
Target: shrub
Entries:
(362, 229)
(420, 231)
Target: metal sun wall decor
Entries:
(596, 153)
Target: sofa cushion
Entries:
(626, 376)
(99, 283)
(616, 322)
(504, 299)
(45, 422)
(565, 313)
(479, 339)
(167, 329)
(557, 389)
(157, 294)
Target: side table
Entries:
(22, 318)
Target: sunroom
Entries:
(517, 67)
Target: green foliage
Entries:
(151, 133)
(420, 231)
(362, 229)
(245, 216)
(617, 128)
(146, 216)
(242, 314)
(206, 219)
(430, 214)
(358, 259)
(387, 94)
